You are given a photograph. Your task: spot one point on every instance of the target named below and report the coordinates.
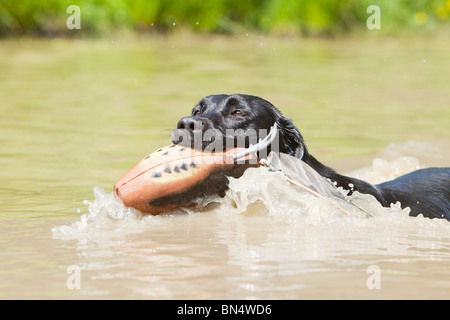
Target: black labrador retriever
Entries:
(425, 191)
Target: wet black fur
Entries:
(425, 191)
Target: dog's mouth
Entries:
(213, 140)
(261, 145)
(198, 139)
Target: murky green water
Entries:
(76, 114)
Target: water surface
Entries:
(77, 114)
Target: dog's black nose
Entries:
(186, 132)
(190, 123)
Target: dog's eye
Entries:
(196, 112)
(238, 113)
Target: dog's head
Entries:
(220, 122)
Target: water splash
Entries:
(263, 192)
(278, 198)
(104, 213)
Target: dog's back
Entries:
(425, 191)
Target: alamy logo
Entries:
(213, 140)
(74, 20)
(374, 280)
(74, 280)
(374, 21)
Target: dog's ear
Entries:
(291, 141)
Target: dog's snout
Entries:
(189, 123)
(188, 130)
